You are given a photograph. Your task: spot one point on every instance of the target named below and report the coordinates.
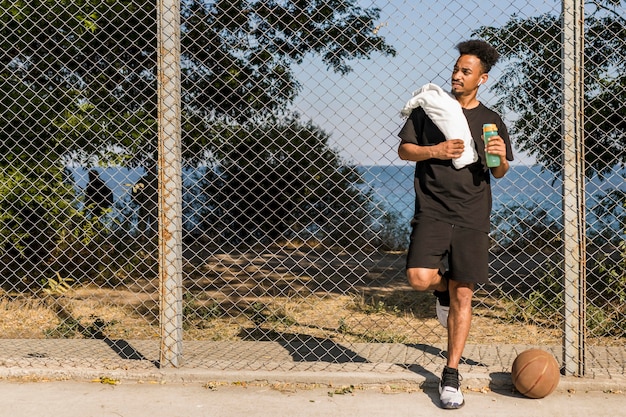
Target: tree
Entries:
(68, 90)
(242, 55)
(530, 86)
(36, 198)
(97, 59)
(78, 82)
(238, 59)
(244, 51)
(279, 180)
(94, 58)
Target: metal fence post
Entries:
(573, 188)
(170, 182)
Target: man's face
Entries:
(466, 74)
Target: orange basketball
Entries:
(535, 373)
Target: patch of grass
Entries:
(342, 391)
(386, 337)
(261, 313)
(67, 329)
(542, 305)
(398, 302)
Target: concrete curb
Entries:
(499, 381)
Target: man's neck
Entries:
(468, 102)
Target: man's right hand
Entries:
(449, 149)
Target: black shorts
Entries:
(467, 250)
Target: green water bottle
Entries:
(490, 130)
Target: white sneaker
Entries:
(450, 393)
(442, 306)
(442, 313)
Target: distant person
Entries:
(98, 196)
(145, 198)
(449, 243)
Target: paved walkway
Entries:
(309, 377)
(136, 399)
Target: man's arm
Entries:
(448, 149)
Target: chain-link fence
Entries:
(285, 210)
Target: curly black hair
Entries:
(486, 53)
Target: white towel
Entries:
(446, 113)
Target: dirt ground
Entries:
(352, 296)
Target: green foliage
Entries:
(78, 83)
(279, 179)
(606, 312)
(531, 84)
(244, 51)
(199, 315)
(606, 322)
(83, 72)
(614, 276)
(71, 327)
(97, 58)
(90, 62)
(543, 304)
(380, 307)
(60, 99)
(36, 206)
(68, 328)
(525, 228)
(610, 211)
(393, 232)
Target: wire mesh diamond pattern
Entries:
(296, 207)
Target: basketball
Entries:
(535, 373)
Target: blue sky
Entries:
(361, 110)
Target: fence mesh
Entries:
(296, 207)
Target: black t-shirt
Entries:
(456, 196)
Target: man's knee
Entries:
(422, 279)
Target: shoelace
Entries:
(451, 378)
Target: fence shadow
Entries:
(306, 348)
(95, 331)
(126, 351)
(440, 353)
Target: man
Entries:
(452, 207)
(98, 196)
(145, 196)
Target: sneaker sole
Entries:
(450, 406)
(453, 406)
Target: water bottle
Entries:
(490, 130)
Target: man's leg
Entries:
(429, 244)
(459, 319)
